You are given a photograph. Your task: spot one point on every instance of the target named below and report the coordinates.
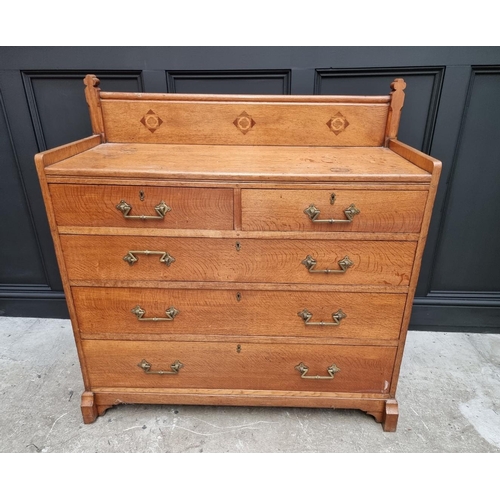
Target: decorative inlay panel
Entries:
(151, 121)
(244, 122)
(338, 123)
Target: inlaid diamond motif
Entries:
(151, 121)
(337, 123)
(244, 122)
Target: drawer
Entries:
(182, 208)
(222, 365)
(97, 258)
(112, 313)
(352, 210)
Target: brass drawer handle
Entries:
(165, 258)
(313, 213)
(161, 209)
(175, 367)
(171, 313)
(337, 318)
(344, 265)
(331, 370)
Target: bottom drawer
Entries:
(227, 365)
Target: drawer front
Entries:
(222, 365)
(379, 211)
(257, 261)
(187, 208)
(112, 313)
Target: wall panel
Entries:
(57, 104)
(229, 82)
(421, 101)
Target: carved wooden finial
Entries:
(92, 94)
(91, 81)
(397, 101)
(397, 84)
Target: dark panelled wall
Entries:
(452, 111)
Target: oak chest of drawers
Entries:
(240, 250)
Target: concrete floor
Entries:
(449, 401)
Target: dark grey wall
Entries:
(452, 111)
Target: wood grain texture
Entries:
(243, 339)
(157, 391)
(191, 208)
(237, 235)
(230, 312)
(237, 209)
(92, 95)
(415, 271)
(210, 365)
(242, 163)
(62, 153)
(380, 211)
(239, 98)
(395, 107)
(390, 416)
(40, 167)
(222, 183)
(107, 397)
(273, 124)
(225, 285)
(425, 162)
(88, 408)
(257, 261)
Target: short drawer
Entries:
(154, 314)
(342, 210)
(224, 365)
(132, 258)
(144, 207)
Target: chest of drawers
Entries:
(240, 250)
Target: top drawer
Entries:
(150, 207)
(371, 211)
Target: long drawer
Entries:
(246, 260)
(341, 210)
(225, 365)
(131, 312)
(144, 207)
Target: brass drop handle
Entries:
(171, 313)
(337, 318)
(161, 209)
(146, 366)
(344, 265)
(165, 258)
(331, 370)
(313, 213)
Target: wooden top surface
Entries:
(143, 96)
(241, 163)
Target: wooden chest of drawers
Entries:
(240, 250)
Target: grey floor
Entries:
(449, 401)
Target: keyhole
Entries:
(141, 195)
(332, 198)
(238, 348)
(238, 296)
(238, 246)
